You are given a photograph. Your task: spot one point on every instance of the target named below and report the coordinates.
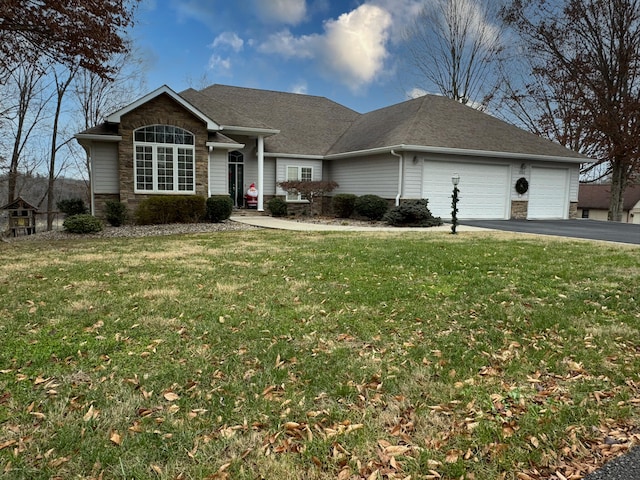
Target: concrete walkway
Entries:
(299, 225)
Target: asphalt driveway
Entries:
(578, 228)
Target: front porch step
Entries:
(248, 212)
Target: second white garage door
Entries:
(484, 189)
(548, 193)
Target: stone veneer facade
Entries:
(162, 110)
(519, 209)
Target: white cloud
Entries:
(300, 87)
(352, 48)
(356, 44)
(284, 43)
(228, 38)
(416, 92)
(199, 10)
(219, 64)
(290, 12)
(402, 12)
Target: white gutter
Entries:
(400, 161)
(457, 151)
(94, 136)
(261, 131)
(224, 146)
(293, 155)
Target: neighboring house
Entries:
(221, 139)
(593, 202)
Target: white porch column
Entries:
(260, 173)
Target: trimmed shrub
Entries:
(277, 207)
(372, 207)
(72, 206)
(165, 209)
(82, 223)
(115, 213)
(412, 213)
(219, 208)
(343, 204)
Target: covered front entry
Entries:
(548, 194)
(236, 178)
(484, 189)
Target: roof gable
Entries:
(164, 90)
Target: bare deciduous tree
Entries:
(585, 57)
(455, 46)
(24, 98)
(61, 85)
(96, 97)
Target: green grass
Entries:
(317, 356)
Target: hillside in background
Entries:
(33, 188)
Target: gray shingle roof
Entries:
(223, 113)
(308, 125)
(435, 121)
(311, 125)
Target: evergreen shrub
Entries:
(372, 207)
(115, 213)
(219, 208)
(343, 204)
(412, 213)
(72, 206)
(82, 223)
(277, 207)
(165, 209)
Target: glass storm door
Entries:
(236, 178)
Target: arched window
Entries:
(164, 160)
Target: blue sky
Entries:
(345, 50)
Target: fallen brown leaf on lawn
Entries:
(91, 414)
(8, 443)
(171, 396)
(55, 463)
(452, 456)
(115, 438)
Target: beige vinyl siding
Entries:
(413, 171)
(268, 173)
(283, 163)
(367, 175)
(218, 172)
(104, 162)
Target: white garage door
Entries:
(484, 189)
(548, 193)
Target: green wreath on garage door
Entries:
(522, 185)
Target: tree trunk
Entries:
(616, 201)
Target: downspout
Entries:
(87, 149)
(209, 171)
(400, 161)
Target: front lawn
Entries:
(279, 355)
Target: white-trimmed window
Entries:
(164, 160)
(295, 173)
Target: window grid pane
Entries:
(160, 165)
(306, 174)
(165, 168)
(144, 168)
(164, 134)
(185, 169)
